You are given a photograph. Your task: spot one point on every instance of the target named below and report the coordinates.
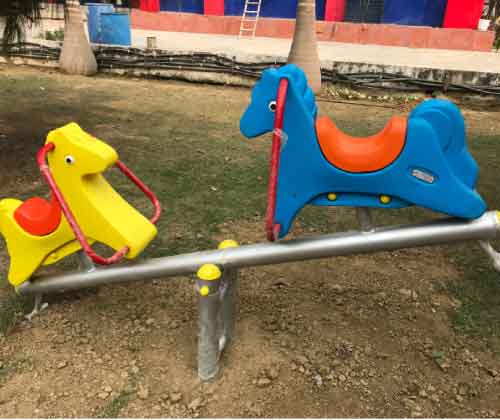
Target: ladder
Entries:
(250, 17)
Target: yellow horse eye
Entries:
(69, 160)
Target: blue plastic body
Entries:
(435, 146)
(273, 8)
(414, 12)
(115, 29)
(94, 20)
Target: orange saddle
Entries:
(358, 154)
(38, 217)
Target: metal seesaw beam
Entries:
(386, 239)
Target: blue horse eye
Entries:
(272, 106)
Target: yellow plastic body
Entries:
(101, 212)
(28, 252)
(77, 164)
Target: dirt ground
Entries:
(361, 336)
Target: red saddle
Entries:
(38, 217)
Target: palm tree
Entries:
(77, 56)
(304, 51)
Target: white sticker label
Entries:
(423, 176)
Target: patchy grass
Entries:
(113, 408)
(12, 307)
(479, 288)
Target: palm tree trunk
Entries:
(304, 51)
(77, 56)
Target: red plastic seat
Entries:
(38, 217)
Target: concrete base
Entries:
(378, 34)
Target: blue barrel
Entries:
(115, 29)
(415, 12)
(94, 19)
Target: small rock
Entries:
(318, 380)
(272, 373)
(150, 321)
(107, 389)
(195, 404)
(175, 397)
(263, 382)
(143, 392)
(342, 378)
(62, 364)
(337, 288)
(409, 293)
(103, 395)
(134, 370)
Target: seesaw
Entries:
(422, 160)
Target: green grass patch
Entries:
(113, 408)
(12, 308)
(479, 287)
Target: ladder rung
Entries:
(250, 18)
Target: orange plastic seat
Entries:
(38, 217)
(358, 154)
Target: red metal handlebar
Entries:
(80, 236)
(273, 229)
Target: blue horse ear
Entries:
(270, 74)
(297, 76)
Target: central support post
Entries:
(217, 296)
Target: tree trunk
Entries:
(304, 51)
(77, 56)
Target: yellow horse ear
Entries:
(73, 144)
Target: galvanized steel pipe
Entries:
(385, 239)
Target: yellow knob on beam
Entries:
(204, 291)
(209, 272)
(332, 196)
(228, 243)
(385, 199)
